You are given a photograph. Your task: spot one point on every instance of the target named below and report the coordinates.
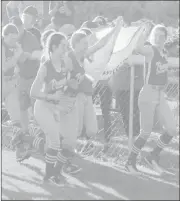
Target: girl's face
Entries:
(159, 37)
(61, 50)
(26, 19)
(82, 46)
(11, 39)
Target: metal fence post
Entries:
(131, 109)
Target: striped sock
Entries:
(136, 148)
(162, 142)
(50, 159)
(39, 144)
(60, 161)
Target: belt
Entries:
(157, 87)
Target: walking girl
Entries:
(52, 104)
(152, 99)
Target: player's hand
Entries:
(119, 21)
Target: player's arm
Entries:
(37, 86)
(101, 43)
(53, 8)
(142, 48)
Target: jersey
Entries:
(29, 43)
(9, 53)
(156, 70)
(54, 80)
(85, 86)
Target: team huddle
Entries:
(45, 75)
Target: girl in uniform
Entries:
(152, 99)
(52, 105)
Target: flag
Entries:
(109, 59)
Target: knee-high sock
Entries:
(162, 142)
(39, 144)
(136, 148)
(50, 158)
(60, 161)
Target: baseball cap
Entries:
(31, 10)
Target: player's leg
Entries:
(45, 118)
(167, 120)
(69, 131)
(148, 100)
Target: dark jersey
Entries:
(36, 33)
(29, 43)
(54, 80)
(156, 70)
(9, 53)
(86, 85)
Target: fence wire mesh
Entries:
(113, 119)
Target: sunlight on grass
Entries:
(95, 197)
(76, 182)
(108, 190)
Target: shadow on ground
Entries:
(96, 181)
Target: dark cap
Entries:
(31, 10)
(90, 25)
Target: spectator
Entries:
(64, 11)
(55, 23)
(29, 18)
(12, 9)
(4, 15)
(28, 66)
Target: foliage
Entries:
(166, 12)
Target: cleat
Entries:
(57, 180)
(131, 168)
(71, 169)
(154, 163)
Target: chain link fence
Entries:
(118, 118)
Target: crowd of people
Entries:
(44, 69)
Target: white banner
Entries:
(101, 68)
